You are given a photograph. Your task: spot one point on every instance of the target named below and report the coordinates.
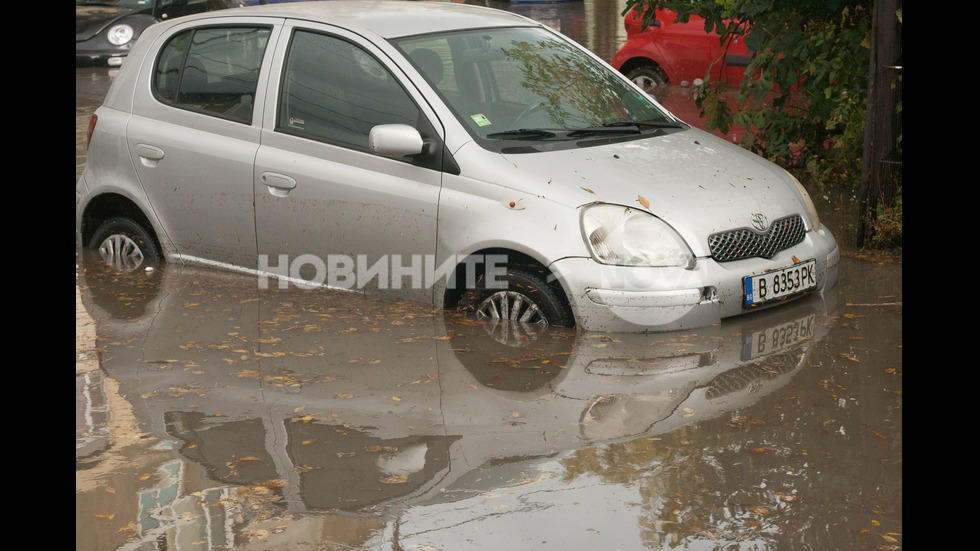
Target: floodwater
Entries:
(224, 416)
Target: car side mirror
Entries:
(396, 140)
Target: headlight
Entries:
(120, 34)
(626, 237)
(814, 217)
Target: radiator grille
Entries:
(747, 243)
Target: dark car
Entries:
(105, 30)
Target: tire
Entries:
(650, 80)
(124, 244)
(520, 298)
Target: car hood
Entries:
(698, 183)
(89, 20)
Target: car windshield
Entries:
(528, 84)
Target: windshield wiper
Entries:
(624, 127)
(645, 124)
(522, 134)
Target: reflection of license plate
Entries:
(778, 338)
(780, 283)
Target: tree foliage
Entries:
(804, 97)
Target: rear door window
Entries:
(212, 70)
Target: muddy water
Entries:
(224, 416)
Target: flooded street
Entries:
(212, 414)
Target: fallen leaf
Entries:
(394, 479)
(642, 200)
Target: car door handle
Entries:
(149, 155)
(278, 184)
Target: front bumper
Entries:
(98, 52)
(637, 299)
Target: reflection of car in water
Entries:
(356, 403)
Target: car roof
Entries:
(385, 18)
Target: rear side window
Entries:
(336, 92)
(212, 70)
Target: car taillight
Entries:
(91, 128)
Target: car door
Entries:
(193, 141)
(327, 210)
(692, 52)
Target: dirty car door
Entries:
(193, 143)
(328, 211)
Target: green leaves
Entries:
(803, 99)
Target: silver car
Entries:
(446, 153)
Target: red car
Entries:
(677, 53)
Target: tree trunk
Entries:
(881, 164)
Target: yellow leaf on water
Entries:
(394, 479)
(642, 200)
(310, 441)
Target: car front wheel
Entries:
(517, 297)
(124, 243)
(650, 80)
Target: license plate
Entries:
(781, 283)
(779, 338)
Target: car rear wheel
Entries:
(124, 243)
(650, 80)
(520, 300)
